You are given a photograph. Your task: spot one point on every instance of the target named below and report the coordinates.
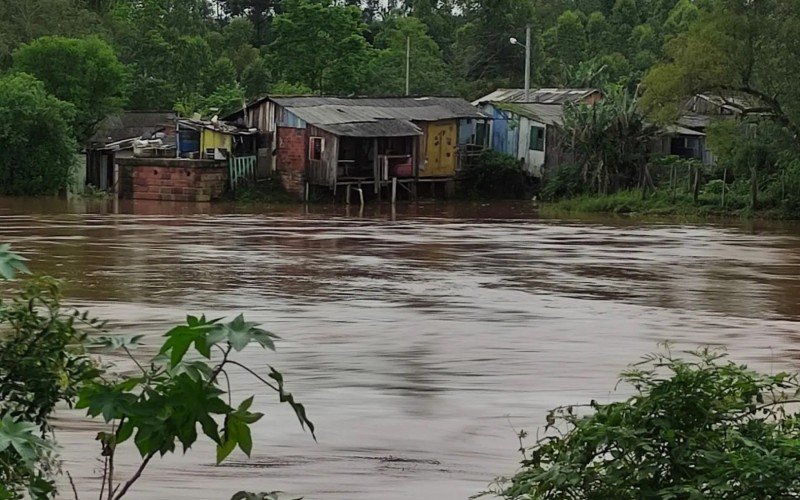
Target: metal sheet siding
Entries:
(466, 131)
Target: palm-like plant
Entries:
(609, 139)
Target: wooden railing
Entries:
(241, 171)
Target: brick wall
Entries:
(292, 158)
(175, 180)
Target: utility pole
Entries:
(408, 65)
(528, 63)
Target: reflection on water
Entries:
(417, 336)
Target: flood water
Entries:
(418, 338)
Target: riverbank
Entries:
(632, 202)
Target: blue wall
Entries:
(505, 130)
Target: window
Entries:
(537, 138)
(481, 134)
(315, 148)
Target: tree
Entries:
(321, 45)
(567, 44)
(735, 48)
(22, 21)
(482, 51)
(429, 73)
(610, 140)
(38, 147)
(82, 71)
(696, 427)
(164, 44)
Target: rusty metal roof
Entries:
(541, 96)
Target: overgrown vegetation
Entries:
(495, 175)
(183, 391)
(697, 426)
(37, 141)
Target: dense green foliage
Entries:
(83, 72)
(44, 361)
(696, 427)
(37, 145)
(184, 50)
(610, 140)
(495, 175)
(196, 56)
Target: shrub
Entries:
(37, 145)
(701, 427)
(495, 175)
(566, 182)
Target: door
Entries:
(441, 149)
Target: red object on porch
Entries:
(402, 170)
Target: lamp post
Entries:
(527, 46)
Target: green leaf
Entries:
(240, 333)
(22, 438)
(225, 449)
(183, 336)
(286, 397)
(115, 342)
(11, 263)
(112, 401)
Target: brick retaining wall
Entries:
(169, 179)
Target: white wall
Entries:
(534, 160)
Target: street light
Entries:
(527, 46)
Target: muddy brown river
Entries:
(418, 338)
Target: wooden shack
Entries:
(335, 142)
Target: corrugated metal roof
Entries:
(678, 130)
(132, 124)
(541, 96)
(694, 121)
(377, 128)
(549, 114)
(344, 110)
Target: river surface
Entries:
(419, 338)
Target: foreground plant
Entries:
(44, 360)
(700, 427)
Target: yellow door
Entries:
(440, 151)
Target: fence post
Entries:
(724, 184)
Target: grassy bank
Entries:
(661, 203)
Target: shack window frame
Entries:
(316, 147)
(536, 142)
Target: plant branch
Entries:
(72, 483)
(103, 480)
(256, 375)
(218, 368)
(130, 355)
(135, 477)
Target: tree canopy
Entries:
(38, 149)
(82, 71)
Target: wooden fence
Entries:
(241, 171)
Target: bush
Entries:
(37, 146)
(701, 427)
(495, 175)
(566, 182)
